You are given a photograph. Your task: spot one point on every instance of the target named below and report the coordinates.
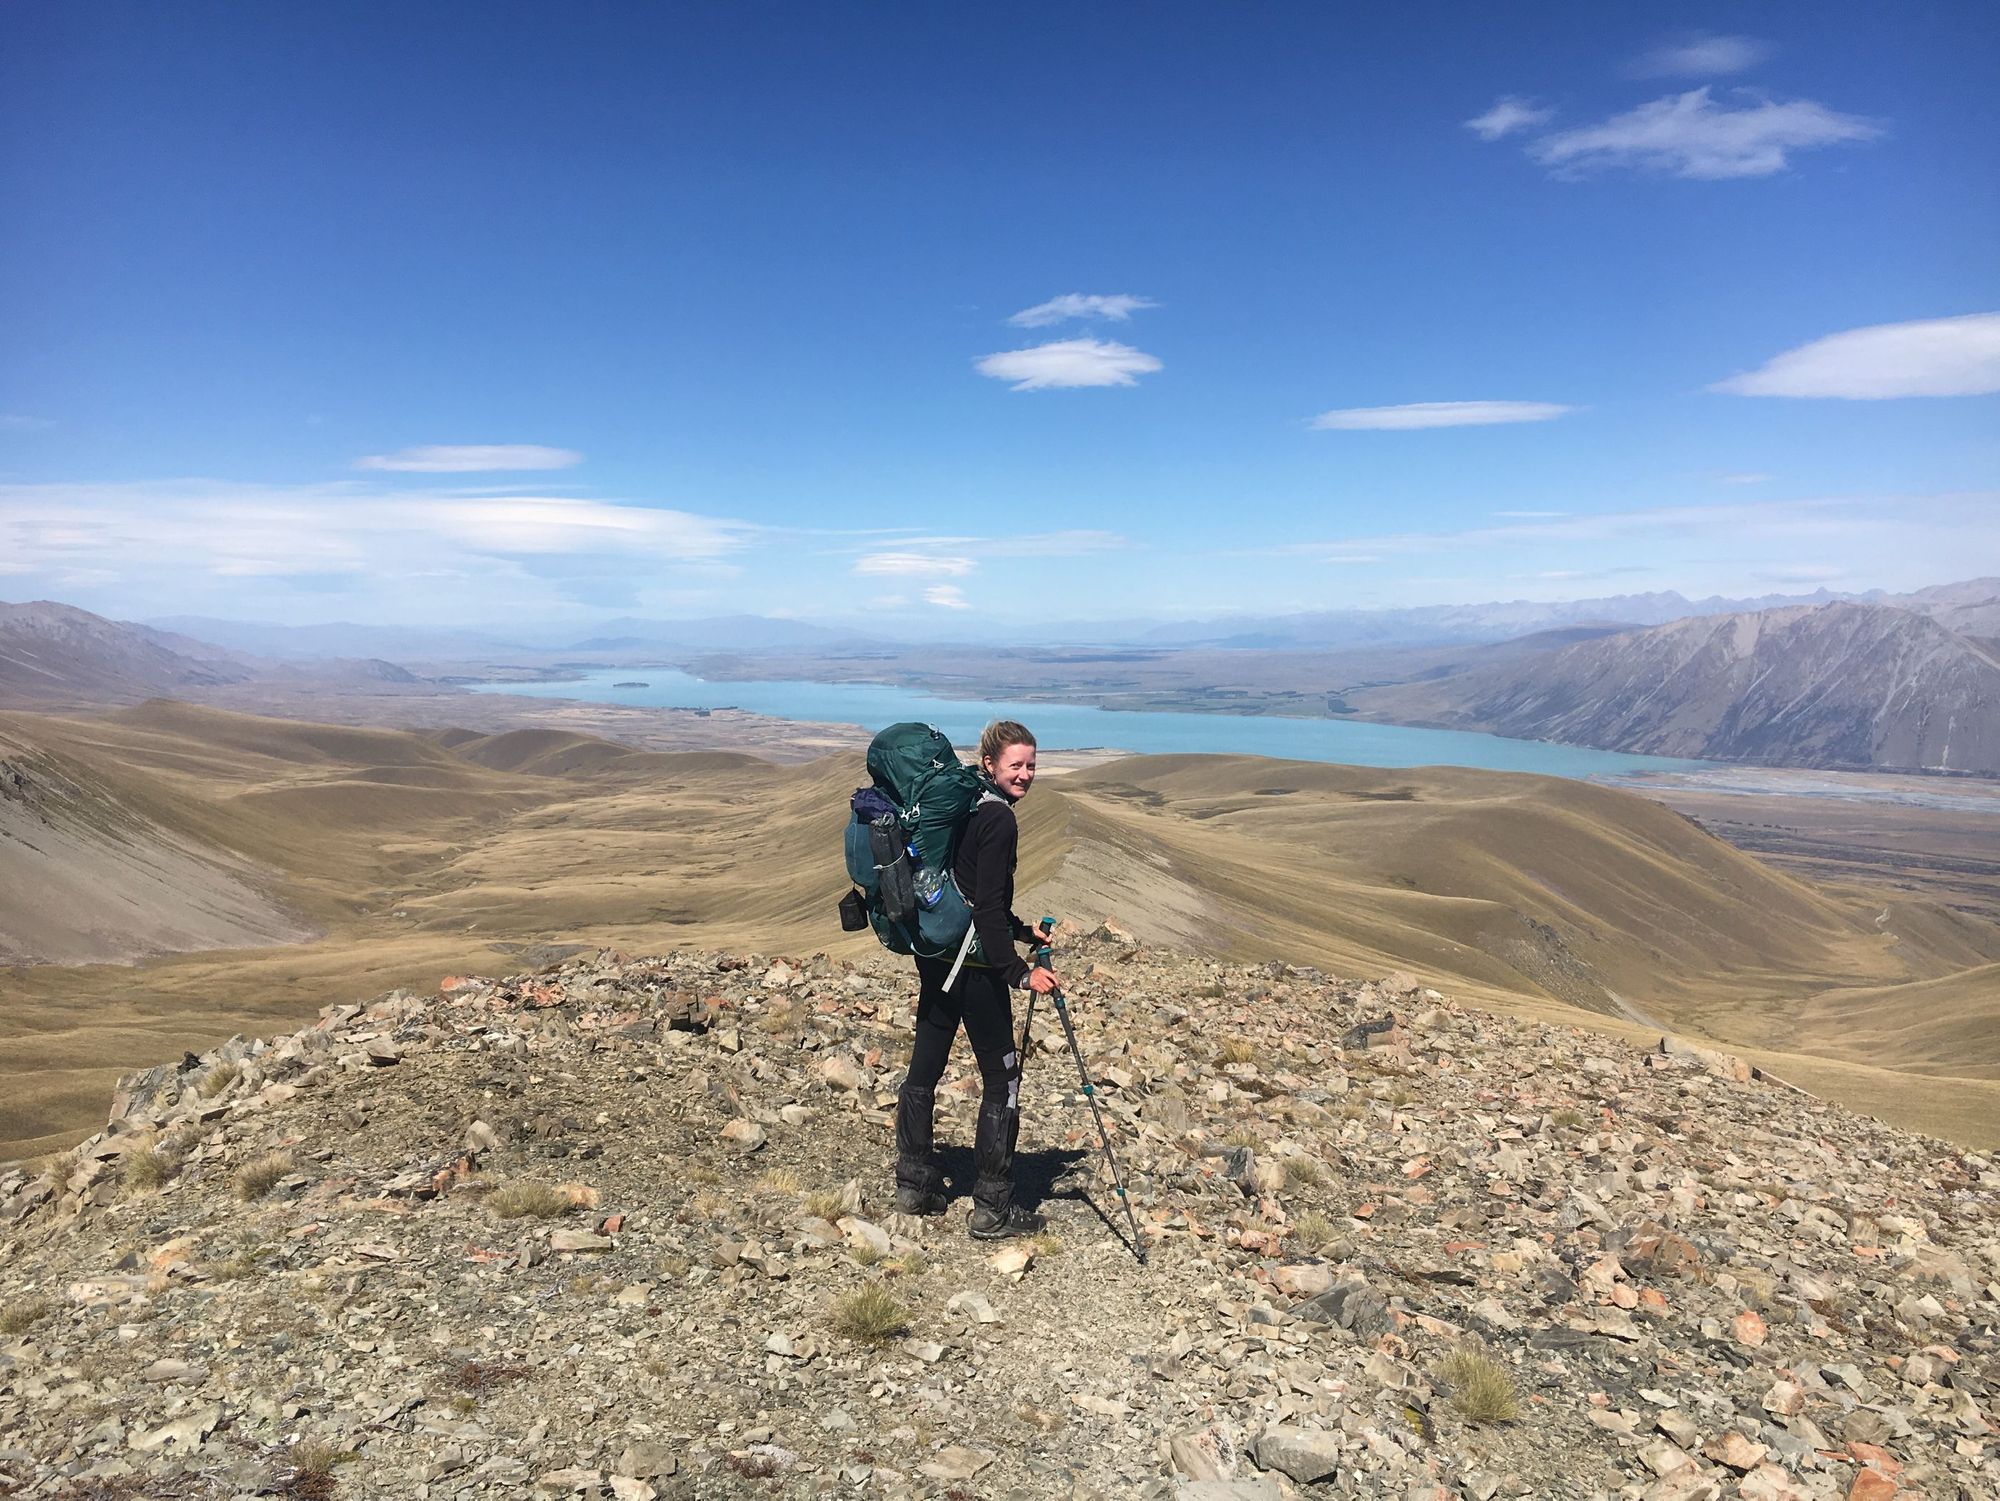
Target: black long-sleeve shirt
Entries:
(984, 870)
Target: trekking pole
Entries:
(1042, 957)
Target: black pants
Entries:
(980, 1001)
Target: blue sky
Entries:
(489, 313)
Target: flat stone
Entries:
(1307, 1455)
(957, 1463)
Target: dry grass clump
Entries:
(909, 1264)
(864, 1253)
(870, 1315)
(484, 1375)
(537, 1201)
(1567, 1119)
(220, 1078)
(19, 1318)
(245, 1263)
(312, 1465)
(1480, 1386)
(1304, 1172)
(1236, 1050)
(148, 1168)
(1243, 1136)
(260, 1175)
(781, 1180)
(826, 1205)
(1314, 1232)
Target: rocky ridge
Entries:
(600, 1230)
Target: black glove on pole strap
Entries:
(1090, 1094)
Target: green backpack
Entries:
(901, 841)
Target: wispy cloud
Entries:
(21, 422)
(471, 458)
(1425, 414)
(1701, 55)
(1118, 307)
(912, 564)
(206, 529)
(1930, 357)
(1691, 135)
(1068, 363)
(1508, 115)
(947, 597)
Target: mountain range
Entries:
(1838, 685)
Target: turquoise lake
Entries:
(1077, 726)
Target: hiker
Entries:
(983, 867)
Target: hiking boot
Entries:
(911, 1200)
(1003, 1224)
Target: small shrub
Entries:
(1236, 1050)
(517, 1201)
(910, 1264)
(1314, 1232)
(220, 1078)
(483, 1375)
(1048, 1243)
(148, 1168)
(245, 1263)
(1480, 1386)
(870, 1315)
(1303, 1172)
(312, 1466)
(19, 1318)
(260, 1175)
(1243, 1136)
(1566, 1119)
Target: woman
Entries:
(984, 869)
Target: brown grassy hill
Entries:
(425, 854)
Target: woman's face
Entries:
(1013, 770)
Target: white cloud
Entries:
(21, 422)
(379, 540)
(947, 597)
(1118, 307)
(1701, 56)
(1930, 357)
(905, 564)
(1068, 363)
(1423, 414)
(1507, 116)
(1690, 135)
(468, 458)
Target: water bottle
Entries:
(928, 884)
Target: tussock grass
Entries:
(1048, 1243)
(220, 1078)
(781, 1180)
(825, 1204)
(1566, 1119)
(261, 1174)
(522, 1201)
(148, 1168)
(1243, 1136)
(864, 1253)
(910, 1264)
(245, 1263)
(19, 1318)
(1480, 1387)
(1314, 1232)
(1236, 1050)
(312, 1465)
(1304, 1172)
(870, 1315)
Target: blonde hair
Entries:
(999, 735)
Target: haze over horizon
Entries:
(489, 314)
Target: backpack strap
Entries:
(986, 795)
